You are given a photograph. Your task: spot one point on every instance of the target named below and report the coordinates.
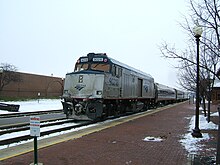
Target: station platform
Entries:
(152, 137)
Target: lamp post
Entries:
(197, 30)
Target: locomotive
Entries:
(101, 86)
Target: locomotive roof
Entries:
(92, 55)
(129, 67)
(164, 86)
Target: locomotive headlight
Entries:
(65, 92)
(98, 92)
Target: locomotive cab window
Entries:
(100, 67)
(80, 67)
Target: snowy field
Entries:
(35, 105)
(191, 144)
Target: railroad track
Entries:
(30, 113)
(26, 136)
(26, 126)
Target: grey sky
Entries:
(48, 36)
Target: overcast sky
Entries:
(48, 36)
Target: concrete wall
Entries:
(32, 85)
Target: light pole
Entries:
(197, 30)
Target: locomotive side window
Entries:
(119, 71)
(113, 70)
(100, 67)
(80, 67)
(116, 71)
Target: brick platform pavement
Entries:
(123, 144)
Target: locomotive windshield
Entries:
(96, 64)
(100, 67)
(80, 67)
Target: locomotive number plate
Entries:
(97, 59)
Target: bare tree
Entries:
(8, 74)
(207, 12)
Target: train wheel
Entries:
(116, 113)
(68, 115)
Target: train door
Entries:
(139, 88)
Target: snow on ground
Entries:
(192, 144)
(35, 105)
(215, 114)
(154, 139)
